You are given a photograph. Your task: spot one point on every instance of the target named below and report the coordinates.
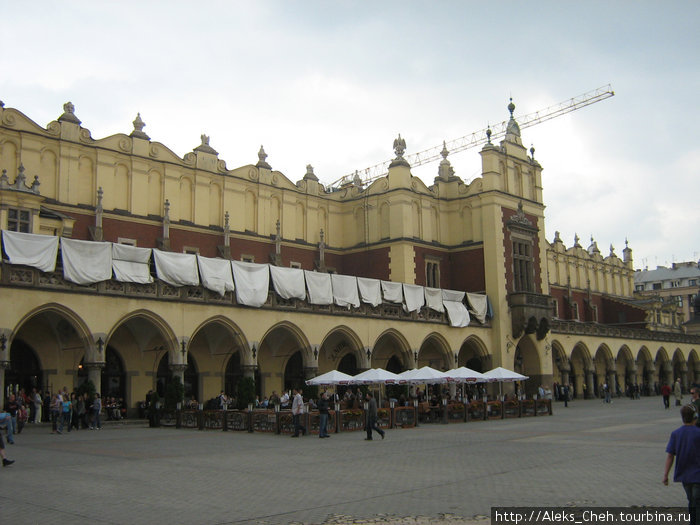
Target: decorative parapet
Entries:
(18, 276)
(559, 326)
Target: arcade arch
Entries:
(435, 353)
(47, 341)
(283, 359)
(526, 361)
(340, 350)
(392, 352)
(473, 354)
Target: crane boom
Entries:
(477, 138)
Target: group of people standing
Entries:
(74, 411)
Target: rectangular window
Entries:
(432, 274)
(293, 264)
(656, 286)
(248, 258)
(128, 242)
(555, 308)
(639, 288)
(692, 282)
(594, 311)
(523, 274)
(19, 220)
(574, 312)
(190, 249)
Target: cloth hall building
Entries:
(127, 264)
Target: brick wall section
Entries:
(371, 263)
(508, 252)
(466, 271)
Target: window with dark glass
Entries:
(18, 220)
(432, 274)
(523, 275)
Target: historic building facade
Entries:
(556, 314)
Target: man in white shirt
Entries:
(297, 411)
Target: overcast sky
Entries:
(331, 84)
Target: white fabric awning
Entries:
(288, 282)
(370, 290)
(29, 249)
(252, 282)
(319, 287)
(176, 269)
(216, 274)
(392, 292)
(345, 290)
(433, 299)
(414, 297)
(478, 306)
(86, 262)
(130, 264)
(456, 311)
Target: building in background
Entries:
(556, 314)
(675, 286)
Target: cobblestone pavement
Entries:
(590, 454)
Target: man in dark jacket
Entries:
(323, 406)
(372, 417)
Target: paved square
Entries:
(590, 454)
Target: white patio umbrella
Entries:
(465, 375)
(374, 376)
(503, 375)
(423, 376)
(334, 377)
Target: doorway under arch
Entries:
(25, 370)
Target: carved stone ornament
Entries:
(138, 132)
(520, 217)
(69, 114)
(204, 147)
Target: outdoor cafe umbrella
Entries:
(334, 377)
(374, 376)
(423, 376)
(465, 375)
(503, 375)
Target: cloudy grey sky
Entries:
(332, 83)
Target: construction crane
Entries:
(477, 138)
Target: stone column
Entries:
(178, 370)
(4, 365)
(612, 382)
(310, 372)
(684, 377)
(668, 373)
(590, 390)
(249, 370)
(95, 374)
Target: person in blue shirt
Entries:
(684, 447)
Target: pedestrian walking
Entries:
(297, 411)
(323, 406)
(684, 447)
(371, 422)
(5, 462)
(666, 394)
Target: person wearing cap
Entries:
(684, 447)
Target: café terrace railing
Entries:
(27, 277)
(347, 420)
